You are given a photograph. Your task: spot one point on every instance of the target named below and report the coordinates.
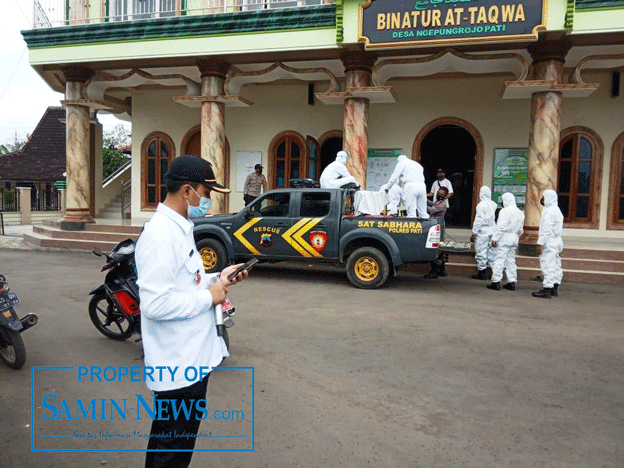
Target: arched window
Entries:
(157, 152)
(287, 153)
(580, 164)
(616, 187)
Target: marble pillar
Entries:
(548, 64)
(358, 71)
(213, 145)
(78, 149)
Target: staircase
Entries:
(579, 265)
(103, 236)
(112, 210)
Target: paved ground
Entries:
(417, 374)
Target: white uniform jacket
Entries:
(177, 318)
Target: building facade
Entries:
(520, 95)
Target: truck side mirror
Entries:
(248, 214)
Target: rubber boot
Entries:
(494, 286)
(555, 292)
(433, 274)
(481, 275)
(510, 286)
(545, 293)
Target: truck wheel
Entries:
(213, 254)
(368, 268)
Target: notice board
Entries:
(510, 174)
(381, 163)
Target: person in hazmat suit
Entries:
(482, 230)
(504, 242)
(414, 188)
(550, 245)
(395, 198)
(336, 174)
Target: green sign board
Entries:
(381, 163)
(401, 23)
(510, 174)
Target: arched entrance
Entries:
(330, 143)
(456, 146)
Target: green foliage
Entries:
(17, 145)
(113, 140)
(113, 159)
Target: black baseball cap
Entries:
(187, 168)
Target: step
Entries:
(529, 273)
(110, 215)
(45, 241)
(111, 206)
(56, 233)
(100, 227)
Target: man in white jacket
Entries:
(336, 174)
(178, 325)
(550, 245)
(504, 242)
(414, 188)
(482, 230)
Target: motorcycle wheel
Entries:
(14, 353)
(109, 321)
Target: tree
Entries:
(117, 136)
(113, 157)
(17, 145)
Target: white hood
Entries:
(342, 157)
(550, 198)
(485, 194)
(508, 200)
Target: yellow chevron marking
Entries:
(239, 235)
(304, 230)
(293, 243)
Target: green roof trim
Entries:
(569, 17)
(598, 4)
(339, 20)
(320, 16)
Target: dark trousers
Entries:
(440, 262)
(248, 199)
(197, 391)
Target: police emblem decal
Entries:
(318, 239)
(266, 240)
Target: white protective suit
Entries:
(483, 228)
(414, 188)
(551, 226)
(395, 198)
(336, 174)
(507, 234)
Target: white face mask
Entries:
(199, 210)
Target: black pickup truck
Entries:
(317, 225)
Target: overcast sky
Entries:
(24, 96)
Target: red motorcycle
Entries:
(114, 307)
